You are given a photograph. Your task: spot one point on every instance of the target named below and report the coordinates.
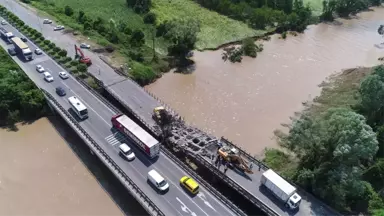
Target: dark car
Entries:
(60, 91)
(24, 39)
(12, 52)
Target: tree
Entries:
(137, 37)
(63, 53)
(249, 47)
(82, 68)
(68, 11)
(183, 35)
(372, 96)
(332, 150)
(140, 6)
(150, 18)
(81, 17)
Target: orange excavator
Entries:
(82, 58)
(232, 155)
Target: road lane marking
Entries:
(202, 197)
(185, 208)
(116, 138)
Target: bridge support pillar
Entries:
(50, 106)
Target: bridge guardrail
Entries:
(265, 167)
(106, 156)
(211, 189)
(235, 186)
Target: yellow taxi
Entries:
(190, 184)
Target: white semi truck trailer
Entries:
(281, 189)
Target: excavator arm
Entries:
(80, 55)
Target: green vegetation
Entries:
(335, 147)
(260, 14)
(248, 48)
(19, 97)
(344, 8)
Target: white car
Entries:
(47, 21)
(126, 151)
(58, 28)
(38, 52)
(40, 68)
(3, 22)
(48, 77)
(63, 75)
(85, 46)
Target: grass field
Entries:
(215, 28)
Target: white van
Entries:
(157, 180)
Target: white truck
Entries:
(138, 135)
(281, 189)
(22, 48)
(7, 36)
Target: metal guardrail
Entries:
(260, 204)
(265, 167)
(106, 158)
(211, 189)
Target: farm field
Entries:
(215, 28)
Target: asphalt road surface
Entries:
(129, 92)
(176, 201)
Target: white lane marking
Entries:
(202, 197)
(115, 139)
(62, 82)
(185, 208)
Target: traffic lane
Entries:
(204, 202)
(107, 74)
(88, 98)
(36, 77)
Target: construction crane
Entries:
(82, 58)
(232, 155)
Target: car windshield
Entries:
(162, 183)
(49, 76)
(128, 152)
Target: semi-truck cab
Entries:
(22, 48)
(7, 36)
(281, 189)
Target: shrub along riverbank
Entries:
(20, 99)
(335, 147)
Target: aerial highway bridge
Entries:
(98, 133)
(103, 140)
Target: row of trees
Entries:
(19, 97)
(340, 152)
(259, 14)
(344, 8)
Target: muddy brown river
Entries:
(246, 102)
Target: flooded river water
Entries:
(41, 173)
(246, 102)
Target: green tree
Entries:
(81, 18)
(137, 37)
(150, 18)
(249, 47)
(63, 53)
(332, 150)
(183, 35)
(82, 68)
(68, 11)
(140, 6)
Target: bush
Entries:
(67, 60)
(82, 68)
(74, 70)
(142, 74)
(74, 63)
(249, 47)
(63, 52)
(150, 18)
(68, 11)
(56, 49)
(51, 52)
(47, 42)
(52, 46)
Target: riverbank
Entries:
(41, 175)
(246, 102)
